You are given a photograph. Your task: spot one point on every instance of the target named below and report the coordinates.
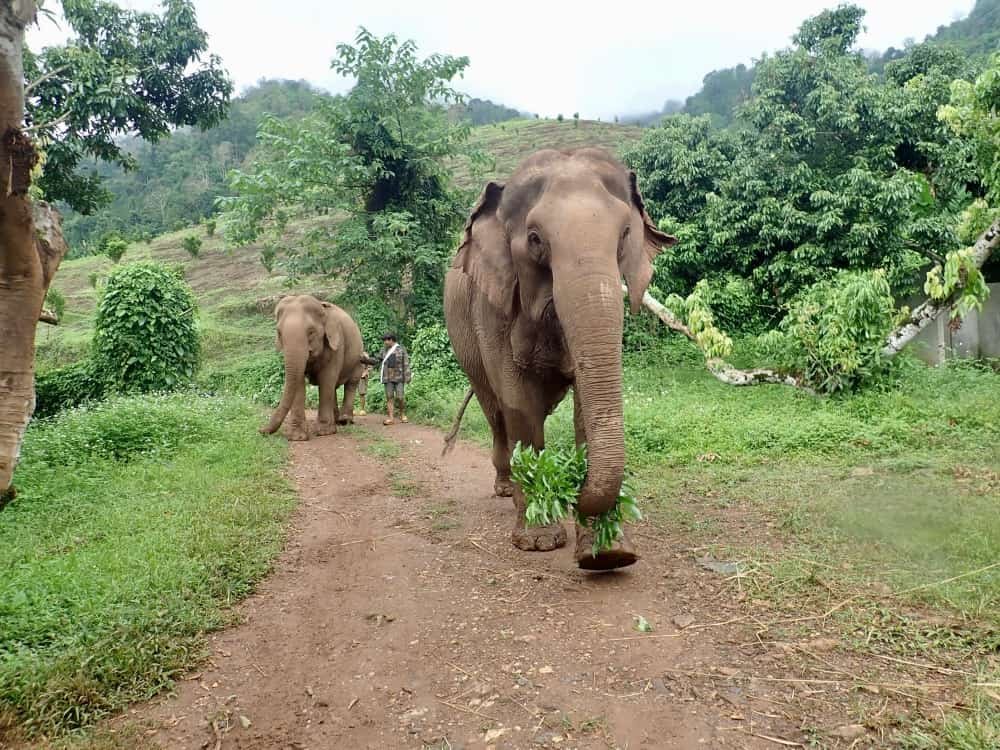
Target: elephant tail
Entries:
(449, 439)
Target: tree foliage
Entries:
(122, 72)
(828, 168)
(177, 179)
(375, 159)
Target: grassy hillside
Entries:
(510, 142)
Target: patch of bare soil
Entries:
(400, 616)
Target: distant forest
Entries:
(178, 179)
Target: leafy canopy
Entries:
(828, 168)
(375, 160)
(124, 71)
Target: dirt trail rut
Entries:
(399, 616)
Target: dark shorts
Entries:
(393, 390)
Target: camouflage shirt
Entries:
(395, 368)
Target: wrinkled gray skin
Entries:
(533, 306)
(320, 342)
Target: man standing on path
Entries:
(394, 372)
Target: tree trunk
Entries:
(31, 245)
(928, 312)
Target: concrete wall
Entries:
(977, 337)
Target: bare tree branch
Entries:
(42, 126)
(38, 81)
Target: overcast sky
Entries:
(617, 58)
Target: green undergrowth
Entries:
(138, 523)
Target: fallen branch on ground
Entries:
(722, 370)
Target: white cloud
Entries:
(537, 55)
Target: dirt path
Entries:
(399, 616)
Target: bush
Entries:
(114, 247)
(145, 333)
(56, 302)
(121, 429)
(192, 244)
(68, 386)
(92, 278)
(431, 355)
(260, 378)
(834, 331)
(374, 317)
(210, 227)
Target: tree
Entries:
(377, 160)
(31, 245)
(830, 168)
(123, 72)
(838, 192)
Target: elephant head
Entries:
(305, 335)
(548, 250)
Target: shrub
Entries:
(192, 244)
(210, 227)
(559, 117)
(92, 278)
(260, 378)
(114, 247)
(374, 317)
(119, 429)
(834, 331)
(66, 387)
(56, 302)
(145, 333)
(431, 355)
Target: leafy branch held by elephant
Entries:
(533, 308)
(321, 343)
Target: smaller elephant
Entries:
(320, 342)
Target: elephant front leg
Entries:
(534, 538)
(346, 413)
(622, 552)
(524, 537)
(326, 418)
(296, 427)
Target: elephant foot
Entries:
(503, 488)
(296, 432)
(325, 428)
(621, 555)
(346, 418)
(539, 538)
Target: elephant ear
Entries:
(484, 254)
(332, 327)
(642, 247)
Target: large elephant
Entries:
(320, 342)
(533, 305)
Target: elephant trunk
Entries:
(587, 297)
(296, 352)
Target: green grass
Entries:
(137, 524)
(903, 477)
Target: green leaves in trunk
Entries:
(551, 480)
